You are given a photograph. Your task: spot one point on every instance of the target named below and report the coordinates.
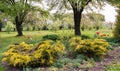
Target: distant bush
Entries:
(88, 47)
(51, 37)
(85, 37)
(9, 27)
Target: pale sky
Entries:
(109, 12)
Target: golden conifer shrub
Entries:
(18, 55)
(47, 52)
(27, 55)
(88, 47)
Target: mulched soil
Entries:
(112, 57)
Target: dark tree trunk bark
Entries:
(0, 29)
(33, 28)
(77, 20)
(0, 26)
(18, 26)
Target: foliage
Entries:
(74, 63)
(113, 67)
(16, 9)
(95, 21)
(61, 62)
(26, 55)
(9, 27)
(76, 5)
(88, 47)
(116, 31)
(51, 37)
(18, 55)
(115, 42)
(2, 68)
(114, 2)
(19, 10)
(47, 52)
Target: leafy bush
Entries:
(25, 55)
(74, 43)
(62, 62)
(85, 37)
(51, 37)
(47, 52)
(89, 48)
(18, 55)
(9, 27)
(116, 31)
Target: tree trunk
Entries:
(77, 20)
(33, 28)
(18, 26)
(0, 29)
(0, 26)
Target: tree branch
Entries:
(88, 1)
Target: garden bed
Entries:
(113, 57)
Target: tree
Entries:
(116, 31)
(34, 18)
(97, 20)
(77, 7)
(17, 9)
(0, 26)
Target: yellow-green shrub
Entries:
(27, 55)
(47, 52)
(18, 55)
(88, 47)
(74, 42)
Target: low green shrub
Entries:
(85, 37)
(62, 62)
(51, 37)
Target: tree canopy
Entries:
(19, 9)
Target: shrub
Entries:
(9, 27)
(47, 52)
(116, 31)
(25, 55)
(74, 42)
(62, 62)
(18, 55)
(89, 48)
(51, 37)
(85, 37)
